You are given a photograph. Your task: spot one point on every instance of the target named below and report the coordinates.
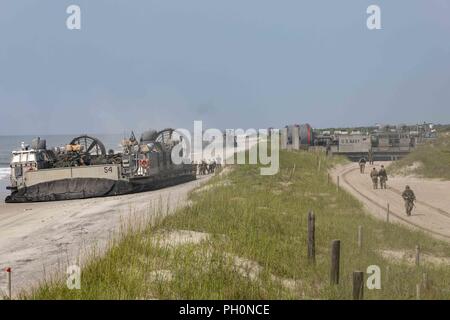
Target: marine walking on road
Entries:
(382, 174)
(374, 177)
(362, 164)
(409, 197)
(370, 156)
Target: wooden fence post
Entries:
(9, 287)
(417, 255)
(335, 258)
(388, 213)
(425, 281)
(358, 285)
(292, 173)
(337, 185)
(418, 291)
(360, 238)
(311, 237)
(387, 276)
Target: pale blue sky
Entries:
(231, 63)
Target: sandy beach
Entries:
(38, 239)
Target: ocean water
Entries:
(4, 173)
(10, 143)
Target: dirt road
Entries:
(432, 211)
(36, 239)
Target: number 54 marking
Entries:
(108, 169)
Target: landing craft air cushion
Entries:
(83, 168)
(385, 143)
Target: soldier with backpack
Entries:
(382, 174)
(374, 177)
(362, 164)
(409, 197)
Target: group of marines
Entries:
(380, 178)
(204, 168)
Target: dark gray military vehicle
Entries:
(84, 169)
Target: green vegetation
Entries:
(431, 160)
(442, 127)
(257, 245)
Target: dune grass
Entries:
(256, 245)
(431, 160)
